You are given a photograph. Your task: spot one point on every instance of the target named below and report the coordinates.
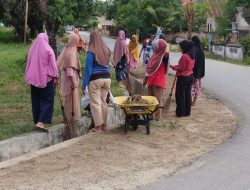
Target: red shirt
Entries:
(185, 66)
(158, 78)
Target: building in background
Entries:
(105, 25)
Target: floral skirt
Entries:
(132, 61)
(196, 88)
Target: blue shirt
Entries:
(91, 67)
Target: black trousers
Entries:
(43, 103)
(183, 96)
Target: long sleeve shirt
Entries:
(185, 66)
(91, 67)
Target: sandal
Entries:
(42, 128)
(157, 122)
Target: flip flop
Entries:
(42, 129)
(157, 122)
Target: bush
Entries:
(61, 31)
(247, 60)
(7, 35)
(245, 41)
(204, 43)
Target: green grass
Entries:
(15, 101)
(7, 35)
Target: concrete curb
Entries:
(31, 142)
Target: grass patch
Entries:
(245, 62)
(7, 35)
(15, 100)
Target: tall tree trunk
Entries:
(26, 20)
(190, 13)
(50, 26)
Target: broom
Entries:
(72, 130)
(66, 122)
(168, 102)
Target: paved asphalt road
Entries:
(227, 167)
(110, 42)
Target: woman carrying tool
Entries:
(69, 64)
(199, 69)
(184, 72)
(41, 73)
(146, 50)
(156, 74)
(97, 79)
(133, 52)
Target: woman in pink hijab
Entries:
(121, 60)
(41, 74)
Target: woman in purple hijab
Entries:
(41, 74)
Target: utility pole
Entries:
(26, 19)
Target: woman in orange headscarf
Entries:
(69, 64)
(133, 52)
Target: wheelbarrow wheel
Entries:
(148, 128)
(126, 127)
(135, 127)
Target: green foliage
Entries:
(223, 24)
(61, 31)
(204, 43)
(245, 41)
(61, 11)
(13, 14)
(84, 12)
(146, 14)
(200, 18)
(247, 60)
(7, 35)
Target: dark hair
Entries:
(187, 47)
(196, 41)
(162, 36)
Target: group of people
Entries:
(189, 71)
(42, 75)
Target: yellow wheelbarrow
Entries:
(137, 114)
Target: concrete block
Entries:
(31, 142)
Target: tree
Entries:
(84, 13)
(145, 14)
(169, 14)
(56, 13)
(13, 14)
(229, 11)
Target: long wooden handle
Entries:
(172, 88)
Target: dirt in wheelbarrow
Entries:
(114, 161)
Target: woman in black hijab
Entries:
(184, 73)
(199, 69)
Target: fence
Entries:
(235, 52)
